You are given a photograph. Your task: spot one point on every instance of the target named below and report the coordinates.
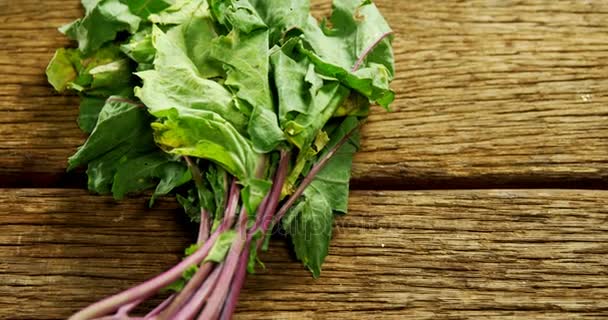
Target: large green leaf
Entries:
(358, 32)
(122, 157)
(145, 8)
(194, 37)
(306, 100)
(96, 77)
(120, 123)
(245, 59)
(244, 54)
(309, 222)
(181, 11)
(146, 172)
(102, 74)
(104, 19)
(205, 134)
(282, 16)
(101, 170)
(140, 48)
(90, 107)
(176, 84)
(237, 15)
(186, 60)
(61, 70)
(333, 180)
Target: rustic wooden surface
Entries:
(507, 93)
(490, 94)
(495, 254)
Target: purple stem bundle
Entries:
(150, 287)
(195, 304)
(214, 288)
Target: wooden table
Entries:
(483, 195)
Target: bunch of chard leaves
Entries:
(247, 110)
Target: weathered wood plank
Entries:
(508, 254)
(490, 93)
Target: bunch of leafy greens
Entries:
(247, 110)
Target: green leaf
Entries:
(245, 59)
(221, 246)
(179, 80)
(333, 180)
(237, 15)
(254, 259)
(294, 92)
(102, 74)
(101, 170)
(90, 108)
(191, 249)
(140, 48)
(179, 284)
(145, 8)
(180, 12)
(304, 162)
(282, 16)
(355, 105)
(122, 157)
(357, 26)
(104, 19)
(306, 100)
(145, 172)
(309, 222)
(206, 135)
(176, 286)
(121, 123)
(190, 204)
(176, 84)
(210, 194)
(61, 71)
(255, 191)
(194, 37)
(217, 179)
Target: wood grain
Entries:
(492, 254)
(489, 93)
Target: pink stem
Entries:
(271, 203)
(237, 285)
(184, 296)
(199, 277)
(150, 287)
(204, 227)
(217, 298)
(312, 175)
(124, 310)
(275, 193)
(195, 304)
(117, 317)
(159, 308)
(369, 50)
